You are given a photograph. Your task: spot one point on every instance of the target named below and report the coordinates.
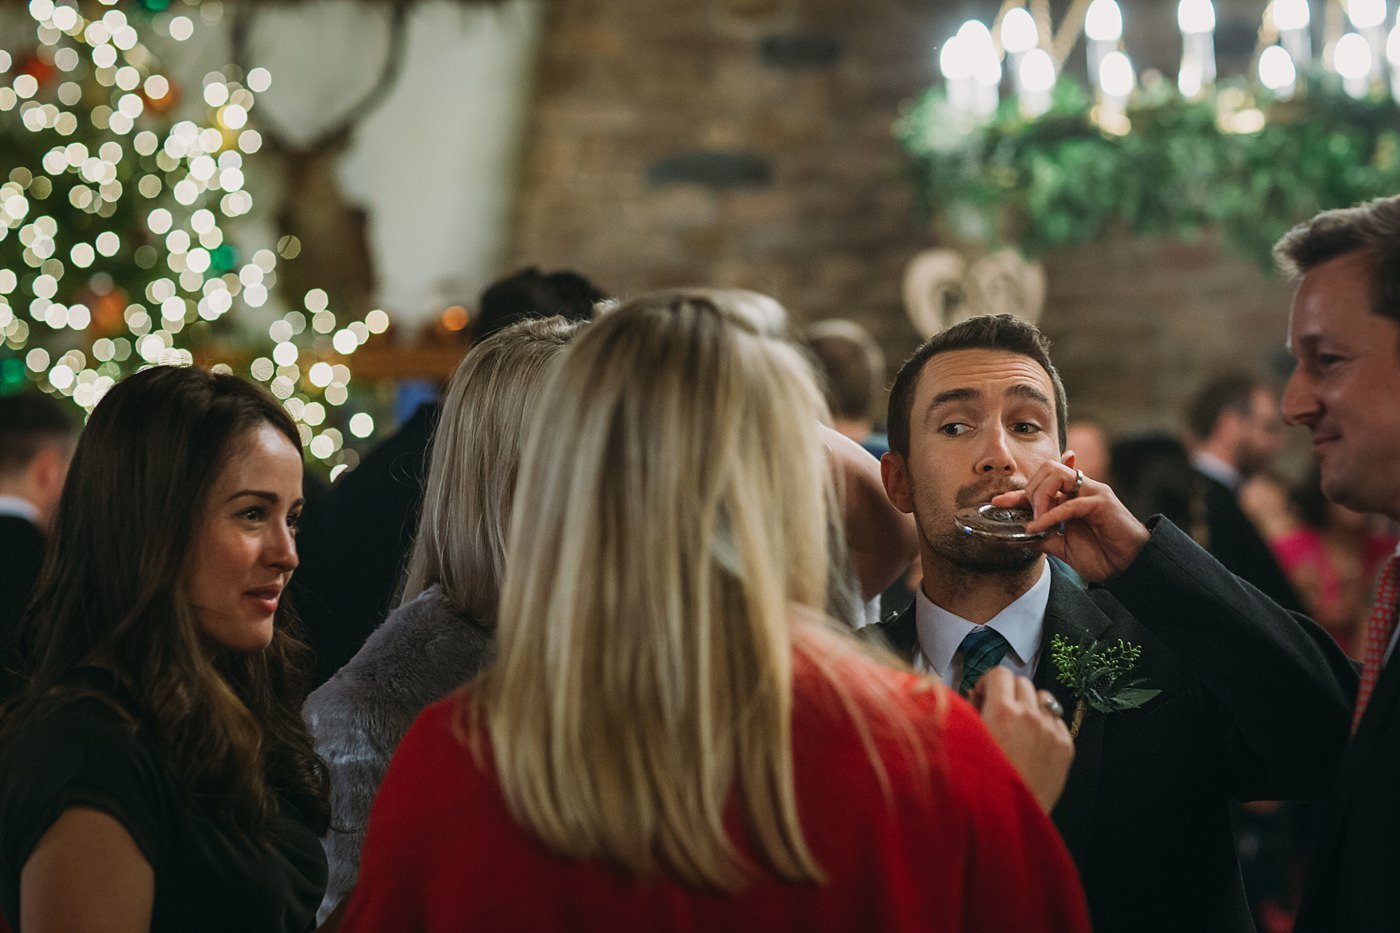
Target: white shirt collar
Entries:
(1217, 469)
(1020, 623)
(22, 508)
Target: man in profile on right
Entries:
(1344, 334)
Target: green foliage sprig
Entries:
(1096, 673)
(1097, 676)
(1060, 180)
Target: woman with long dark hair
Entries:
(155, 772)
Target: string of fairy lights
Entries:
(113, 249)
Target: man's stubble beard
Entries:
(970, 554)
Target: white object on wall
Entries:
(943, 287)
(434, 164)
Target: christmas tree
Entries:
(114, 253)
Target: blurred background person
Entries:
(1091, 446)
(1152, 475)
(671, 736)
(442, 633)
(155, 772)
(1333, 557)
(351, 587)
(1233, 432)
(37, 434)
(851, 367)
(1268, 499)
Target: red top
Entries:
(1336, 593)
(962, 846)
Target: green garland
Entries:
(1059, 180)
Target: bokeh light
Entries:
(114, 247)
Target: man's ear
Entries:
(895, 475)
(1228, 428)
(46, 473)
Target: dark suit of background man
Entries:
(37, 436)
(1234, 431)
(1344, 334)
(1254, 702)
(343, 592)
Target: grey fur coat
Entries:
(422, 652)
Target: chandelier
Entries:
(1021, 45)
(1014, 148)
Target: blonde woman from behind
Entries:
(672, 737)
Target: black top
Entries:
(85, 753)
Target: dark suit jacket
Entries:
(348, 588)
(21, 553)
(1254, 705)
(1352, 881)
(1236, 543)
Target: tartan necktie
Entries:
(981, 650)
(1378, 633)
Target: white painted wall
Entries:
(434, 164)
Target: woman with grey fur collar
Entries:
(442, 634)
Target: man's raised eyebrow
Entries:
(954, 395)
(1021, 390)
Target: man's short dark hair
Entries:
(28, 422)
(530, 293)
(1372, 228)
(1226, 391)
(851, 365)
(1004, 332)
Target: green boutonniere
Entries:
(1098, 676)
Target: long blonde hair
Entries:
(671, 518)
(467, 497)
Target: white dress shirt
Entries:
(1020, 623)
(1217, 469)
(23, 508)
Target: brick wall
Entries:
(748, 143)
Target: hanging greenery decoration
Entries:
(1235, 160)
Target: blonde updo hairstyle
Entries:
(460, 543)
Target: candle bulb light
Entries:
(1277, 72)
(1037, 80)
(1368, 16)
(1116, 83)
(1018, 36)
(1196, 20)
(984, 67)
(1353, 63)
(1392, 55)
(1294, 22)
(957, 73)
(1103, 27)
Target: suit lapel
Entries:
(1374, 727)
(901, 634)
(1071, 614)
